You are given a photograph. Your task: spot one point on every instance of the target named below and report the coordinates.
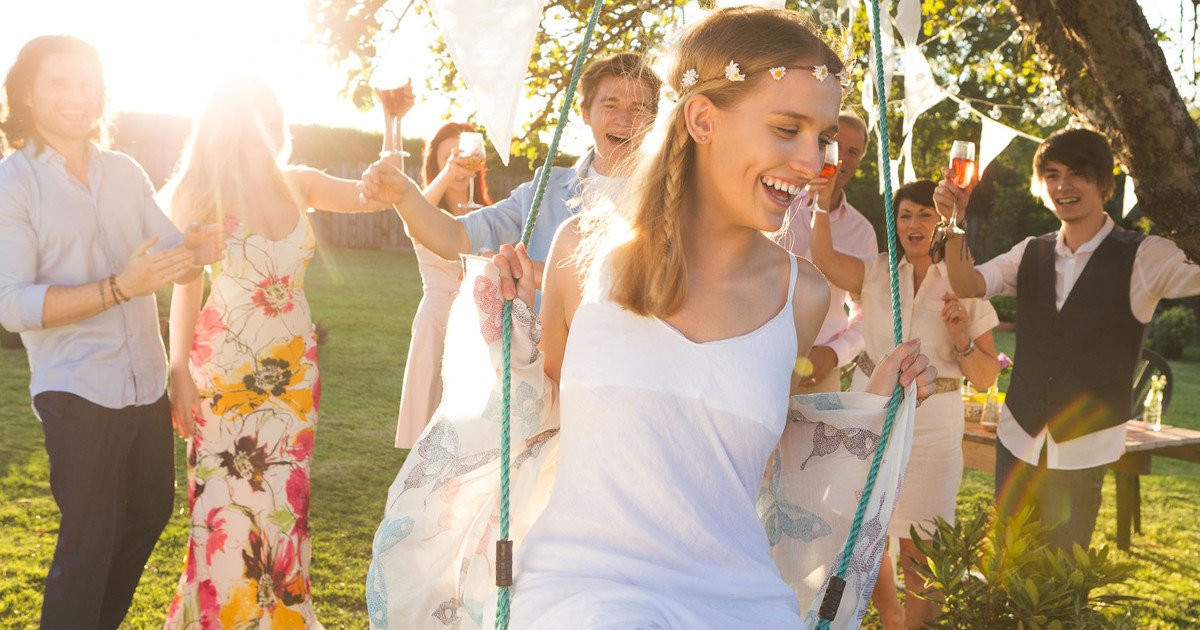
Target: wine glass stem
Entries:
(398, 140)
(471, 191)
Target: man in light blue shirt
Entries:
(83, 248)
(619, 99)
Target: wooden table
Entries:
(979, 453)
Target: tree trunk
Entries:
(1114, 77)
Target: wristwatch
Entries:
(969, 350)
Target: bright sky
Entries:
(163, 55)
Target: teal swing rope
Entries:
(837, 582)
(504, 545)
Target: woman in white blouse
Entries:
(956, 334)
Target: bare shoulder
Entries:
(810, 304)
(811, 286)
(564, 275)
(565, 245)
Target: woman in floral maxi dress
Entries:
(248, 390)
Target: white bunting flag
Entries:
(993, 140)
(908, 21)
(910, 171)
(921, 91)
(889, 66)
(490, 43)
(1129, 199)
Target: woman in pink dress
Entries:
(444, 182)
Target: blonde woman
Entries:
(673, 346)
(245, 386)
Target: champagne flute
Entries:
(390, 86)
(830, 167)
(392, 99)
(962, 165)
(471, 149)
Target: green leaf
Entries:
(283, 518)
(1032, 590)
(203, 473)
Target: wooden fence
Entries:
(368, 230)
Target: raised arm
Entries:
(322, 191)
(427, 224)
(842, 270)
(965, 279)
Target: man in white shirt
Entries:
(840, 339)
(1084, 297)
(78, 270)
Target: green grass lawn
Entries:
(367, 299)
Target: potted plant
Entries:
(1000, 573)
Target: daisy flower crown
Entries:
(734, 73)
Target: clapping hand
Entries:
(148, 272)
(205, 242)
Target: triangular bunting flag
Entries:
(490, 43)
(992, 140)
(1129, 199)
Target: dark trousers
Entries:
(1066, 501)
(112, 472)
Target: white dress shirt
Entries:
(921, 313)
(1160, 270)
(56, 231)
(852, 235)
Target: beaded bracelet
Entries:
(119, 296)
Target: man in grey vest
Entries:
(1084, 297)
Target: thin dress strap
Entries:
(792, 278)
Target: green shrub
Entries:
(1006, 307)
(1003, 575)
(1173, 330)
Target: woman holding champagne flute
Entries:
(245, 386)
(449, 181)
(956, 334)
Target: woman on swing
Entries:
(673, 335)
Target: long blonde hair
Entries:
(650, 275)
(241, 123)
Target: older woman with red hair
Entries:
(444, 182)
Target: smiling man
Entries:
(840, 340)
(619, 101)
(78, 272)
(1084, 297)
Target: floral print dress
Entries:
(254, 360)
